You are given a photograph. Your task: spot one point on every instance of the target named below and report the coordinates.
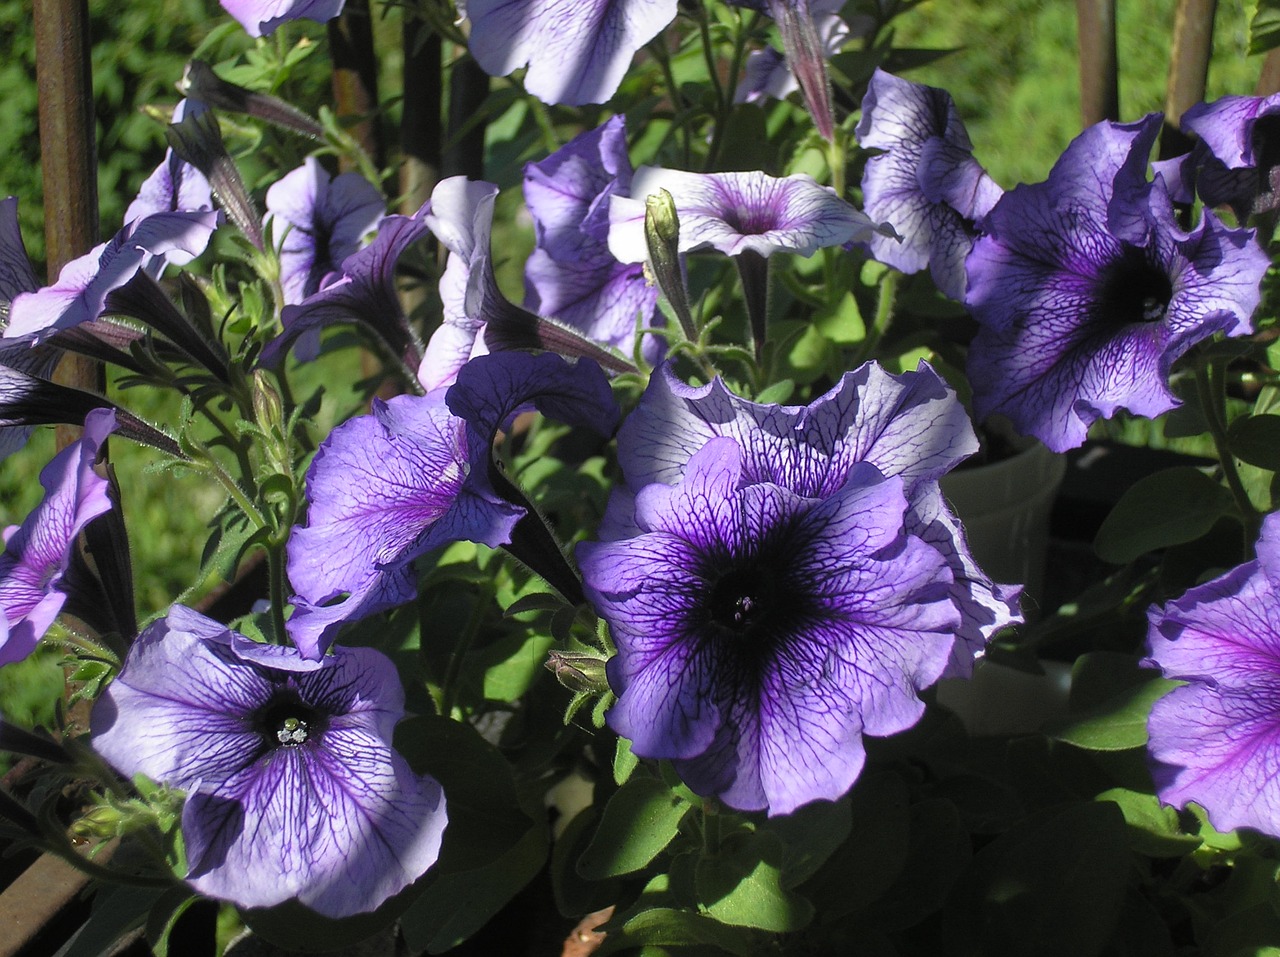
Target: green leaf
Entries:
(116, 911)
(1256, 439)
(669, 927)
(842, 323)
(1052, 886)
(575, 896)
(1110, 700)
(1168, 508)
(1264, 30)
(939, 851)
(639, 822)
(809, 836)
(164, 914)
(742, 885)
(1153, 827)
(624, 762)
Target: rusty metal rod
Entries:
(1099, 68)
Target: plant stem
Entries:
(1213, 403)
(449, 687)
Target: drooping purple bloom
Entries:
(37, 553)
(909, 426)
(1237, 161)
(1216, 739)
(576, 52)
(571, 275)
(926, 184)
(761, 632)
(319, 223)
(16, 274)
(175, 185)
(260, 18)
(737, 213)
(364, 293)
(388, 487)
(80, 294)
(293, 788)
(1086, 291)
(767, 74)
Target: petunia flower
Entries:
(1237, 161)
(576, 53)
(293, 788)
(736, 213)
(415, 474)
(1216, 739)
(909, 426)
(477, 317)
(37, 553)
(364, 292)
(926, 184)
(175, 185)
(761, 632)
(260, 18)
(767, 74)
(80, 293)
(1086, 291)
(319, 222)
(571, 275)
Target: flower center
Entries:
(286, 721)
(1134, 290)
(747, 602)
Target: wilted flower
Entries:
(175, 185)
(1086, 291)
(319, 223)
(1237, 161)
(781, 580)
(926, 184)
(1215, 740)
(388, 487)
(571, 274)
(576, 53)
(37, 554)
(766, 72)
(293, 788)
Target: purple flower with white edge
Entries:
(364, 292)
(738, 212)
(478, 318)
(293, 788)
(926, 184)
(909, 426)
(1086, 291)
(1237, 161)
(417, 473)
(576, 53)
(260, 18)
(571, 274)
(318, 223)
(1216, 739)
(761, 632)
(175, 185)
(37, 553)
(80, 294)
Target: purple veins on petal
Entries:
(926, 184)
(319, 222)
(1237, 161)
(1215, 740)
(293, 788)
(37, 553)
(260, 18)
(576, 53)
(761, 633)
(1086, 291)
(738, 212)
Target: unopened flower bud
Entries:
(198, 140)
(662, 236)
(578, 672)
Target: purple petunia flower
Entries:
(175, 185)
(926, 185)
(736, 213)
(1086, 291)
(1236, 162)
(576, 52)
(388, 487)
(571, 274)
(761, 632)
(260, 18)
(766, 72)
(364, 293)
(319, 223)
(37, 553)
(80, 294)
(293, 788)
(1216, 739)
